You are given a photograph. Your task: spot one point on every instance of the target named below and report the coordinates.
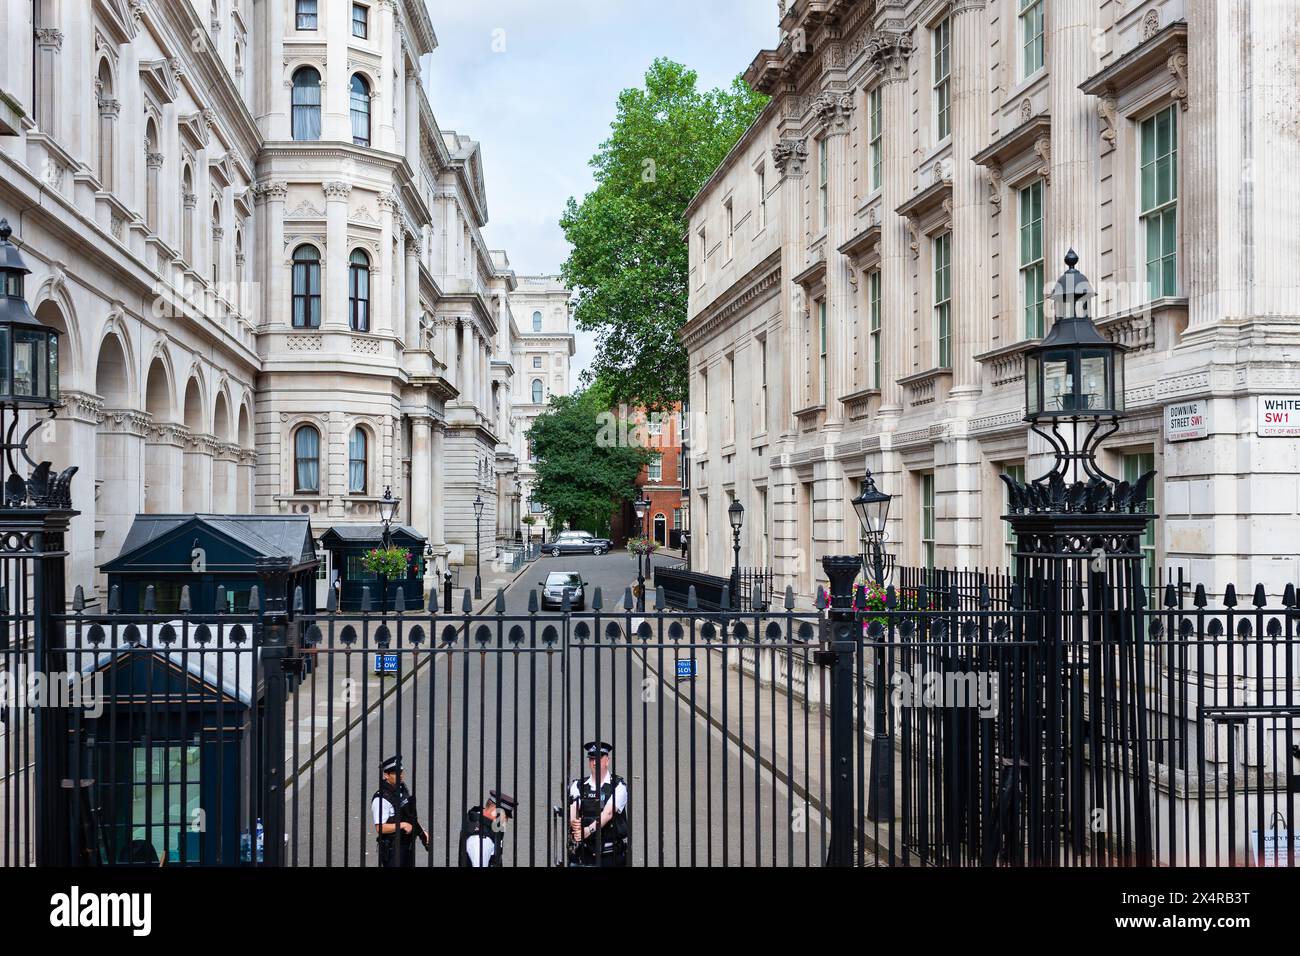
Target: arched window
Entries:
(306, 104)
(359, 291)
(188, 199)
(108, 109)
(215, 252)
(306, 287)
(537, 391)
(360, 110)
(357, 461)
(537, 321)
(306, 460)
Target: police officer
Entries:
(483, 832)
(598, 823)
(396, 821)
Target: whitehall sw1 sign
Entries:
(1186, 421)
(1279, 416)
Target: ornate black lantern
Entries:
(1074, 370)
(29, 351)
(872, 507)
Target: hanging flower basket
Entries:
(642, 546)
(391, 563)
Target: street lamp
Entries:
(736, 515)
(29, 351)
(387, 512)
(872, 507)
(642, 507)
(478, 547)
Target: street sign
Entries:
(1279, 416)
(685, 668)
(385, 664)
(1187, 421)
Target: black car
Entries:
(559, 583)
(576, 542)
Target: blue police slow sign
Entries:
(685, 668)
(385, 664)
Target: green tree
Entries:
(581, 475)
(629, 263)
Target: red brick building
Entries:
(660, 483)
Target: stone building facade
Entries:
(869, 263)
(542, 355)
(267, 259)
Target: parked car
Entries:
(559, 583)
(577, 542)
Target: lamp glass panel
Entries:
(1092, 376)
(52, 352)
(1117, 374)
(4, 360)
(1033, 402)
(1058, 385)
(25, 363)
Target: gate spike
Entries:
(1199, 598)
(399, 600)
(221, 598)
(365, 598)
(692, 601)
(184, 604)
(986, 599)
(1230, 596)
(628, 603)
(114, 599)
(532, 600)
(597, 600)
(755, 597)
(1016, 598)
(725, 601)
(299, 602)
(1171, 595)
(891, 598)
(860, 597)
(331, 600)
(150, 600)
(789, 597)
(1140, 597)
(79, 598)
(1259, 599)
(501, 600)
(923, 598)
(255, 598)
(566, 603)
(954, 598)
(466, 602)
(661, 599)
(820, 603)
(1288, 596)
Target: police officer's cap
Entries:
(504, 801)
(597, 748)
(392, 765)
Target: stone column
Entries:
(834, 110)
(447, 349)
(1072, 178)
(245, 475)
(49, 46)
(412, 143)
(421, 482)
(381, 283)
(437, 487)
(890, 52)
(224, 477)
(468, 384)
(334, 274)
(164, 455)
(274, 258)
(384, 93)
(118, 480)
(411, 333)
(109, 109)
(200, 450)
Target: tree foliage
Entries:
(580, 479)
(629, 261)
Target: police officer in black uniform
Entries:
(598, 820)
(396, 822)
(482, 835)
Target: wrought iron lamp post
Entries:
(1079, 555)
(387, 512)
(736, 515)
(478, 546)
(642, 507)
(872, 507)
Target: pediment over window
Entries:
(1149, 56)
(158, 79)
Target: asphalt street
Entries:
(485, 707)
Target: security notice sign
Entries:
(1186, 421)
(1279, 416)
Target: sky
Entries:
(536, 82)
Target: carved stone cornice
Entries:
(201, 444)
(109, 107)
(126, 421)
(888, 52)
(153, 160)
(389, 202)
(81, 406)
(1177, 64)
(336, 190)
(270, 189)
(168, 433)
(790, 156)
(833, 110)
(47, 37)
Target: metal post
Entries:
(880, 798)
(478, 557)
(446, 593)
(276, 652)
(841, 640)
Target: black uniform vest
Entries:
(590, 803)
(478, 825)
(403, 812)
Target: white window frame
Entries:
(873, 312)
(1032, 49)
(928, 523)
(1155, 215)
(1016, 471)
(876, 144)
(762, 384)
(729, 216)
(1030, 258)
(822, 390)
(823, 183)
(761, 222)
(941, 77)
(941, 251)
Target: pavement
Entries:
(715, 765)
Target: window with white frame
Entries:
(537, 361)
(873, 300)
(1159, 201)
(823, 182)
(941, 38)
(729, 216)
(1031, 259)
(360, 20)
(1135, 466)
(655, 468)
(927, 519)
(761, 219)
(943, 300)
(762, 384)
(1016, 472)
(821, 353)
(1031, 37)
(876, 144)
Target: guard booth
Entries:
(207, 552)
(173, 740)
(347, 544)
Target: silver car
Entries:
(559, 583)
(577, 542)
